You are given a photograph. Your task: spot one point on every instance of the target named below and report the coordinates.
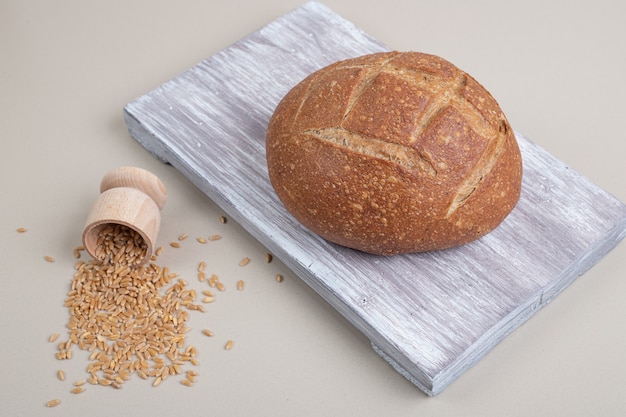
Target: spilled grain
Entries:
(131, 318)
(78, 250)
(53, 403)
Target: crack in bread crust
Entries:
(364, 85)
(481, 169)
(311, 80)
(399, 154)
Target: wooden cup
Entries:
(132, 197)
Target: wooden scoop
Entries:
(132, 197)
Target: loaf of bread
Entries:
(393, 153)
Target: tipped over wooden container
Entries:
(130, 198)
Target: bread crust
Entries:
(393, 153)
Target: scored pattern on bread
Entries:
(449, 92)
(429, 125)
(399, 154)
(482, 168)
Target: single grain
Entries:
(53, 403)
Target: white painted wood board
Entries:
(431, 315)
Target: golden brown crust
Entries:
(393, 153)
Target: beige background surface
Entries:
(67, 69)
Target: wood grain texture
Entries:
(430, 315)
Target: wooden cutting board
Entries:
(431, 315)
